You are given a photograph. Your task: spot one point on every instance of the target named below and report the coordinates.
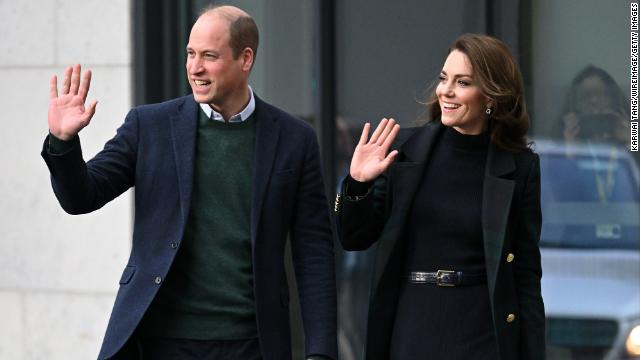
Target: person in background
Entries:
(595, 110)
(455, 213)
(221, 179)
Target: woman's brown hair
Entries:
(499, 79)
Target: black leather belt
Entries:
(447, 278)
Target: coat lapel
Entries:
(496, 203)
(184, 124)
(267, 134)
(404, 177)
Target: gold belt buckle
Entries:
(441, 274)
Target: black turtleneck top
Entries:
(445, 233)
(444, 229)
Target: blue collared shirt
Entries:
(239, 117)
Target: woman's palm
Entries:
(370, 158)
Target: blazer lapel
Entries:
(184, 124)
(267, 134)
(404, 178)
(496, 203)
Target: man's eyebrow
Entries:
(216, 52)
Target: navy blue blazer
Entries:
(153, 151)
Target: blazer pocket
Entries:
(400, 167)
(282, 176)
(127, 274)
(401, 164)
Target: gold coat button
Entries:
(510, 257)
(510, 318)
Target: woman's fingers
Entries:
(387, 130)
(391, 137)
(365, 134)
(370, 158)
(390, 158)
(379, 130)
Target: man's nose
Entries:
(195, 65)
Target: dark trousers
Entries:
(157, 348)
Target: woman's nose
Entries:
(445, 89)
(448, 90)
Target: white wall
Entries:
(58, 273)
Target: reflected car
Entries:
(590, 246)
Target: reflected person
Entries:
(595, 109)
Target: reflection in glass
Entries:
(590, 246)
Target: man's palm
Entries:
(67, 113)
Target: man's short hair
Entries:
(243, 31)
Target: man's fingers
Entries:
(386, 131)
(379, 129)
(75, 79)
(391, 137)
(53, 87)
(90, 111)
(84, 86)
(365, 134)
(67, 80)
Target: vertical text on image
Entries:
(634, 75)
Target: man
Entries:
(221, 179)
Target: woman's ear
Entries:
(490, 103)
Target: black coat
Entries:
(511, 222)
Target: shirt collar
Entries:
(239, 117)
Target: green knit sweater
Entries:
(208, 293)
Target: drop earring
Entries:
(488, 111)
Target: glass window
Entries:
(282, 74)
(576, 67)
(387, 56)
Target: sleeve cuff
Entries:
(58, 146)
(356, 188)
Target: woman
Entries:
(456, 215)
(595, 109)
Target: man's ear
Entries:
(247, 59)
